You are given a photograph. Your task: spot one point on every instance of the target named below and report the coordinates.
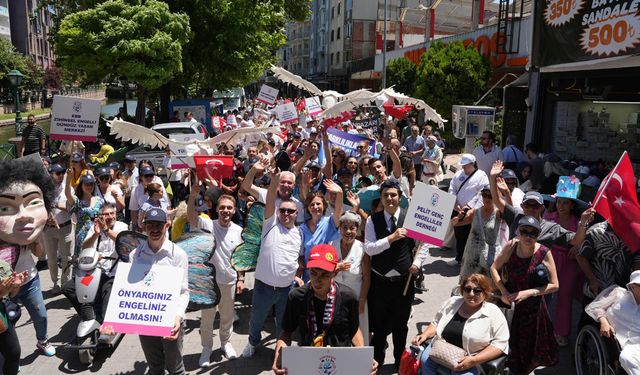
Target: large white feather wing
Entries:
(288, 77)
(430, 113)
(235, 136)
(134, 133)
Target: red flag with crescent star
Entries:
(616, 201)
(214, 167)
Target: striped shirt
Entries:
(32, 136)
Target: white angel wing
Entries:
(128, 131)
(430, 113)
(288, 77)
(358, 99)
(356, 94)
(232, 137)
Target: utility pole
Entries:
(384, 48)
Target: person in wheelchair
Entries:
(469, 322)
(618, 311)
(102, 236)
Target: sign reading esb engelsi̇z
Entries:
(429, 214)
(580, 30)
(144, 299)
(75, 119)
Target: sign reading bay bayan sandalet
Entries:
(582, 30)
(429, 214)
(74, 119)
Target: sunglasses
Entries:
(288, 211)
(468, 290)
(531, 205)
(530, 233)
(58, 173)
(148, 175)
(104, 178)
(352, 162)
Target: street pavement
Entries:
(127, 358)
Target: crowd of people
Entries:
(334, 266)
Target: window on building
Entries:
(338, 58)
(339, 8)
(333, 12)
(332, 35)
(338, 34)
(332, 59)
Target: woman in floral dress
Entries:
(518, 275)
(84, 206)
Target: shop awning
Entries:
(618, 62)
(522, 81)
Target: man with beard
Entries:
(102, 236)
(323, 312)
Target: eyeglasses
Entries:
(148, 175)
(58, 173)
(530, 233)
(468, 290)
(287, 211)
(104, 178)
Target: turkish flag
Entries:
(616, 201)
(214, 167)
(333, 121)
(218, 122)
(398, 112)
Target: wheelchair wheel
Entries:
(591, 355)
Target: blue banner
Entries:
(349, 142)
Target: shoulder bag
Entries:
(445, 354)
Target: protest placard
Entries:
(179, 154)
(303, 360)
(429, 214)
(287, 113)
(349, 142)
(267, 95)
(74, 119)
(144, 299)
(313, 105)
(369, 123)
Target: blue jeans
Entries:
(30, 295)
(264, 297)
(429, 367)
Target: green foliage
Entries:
(141, 40)
(12, 59)
(451, 74)
(402, 73)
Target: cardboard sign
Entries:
(313, 106)
(144, 299)
(429, 214)
(75, 119)
(179, 155)
(301, 360)
(287, 113)
(349, 142)
(267, 95)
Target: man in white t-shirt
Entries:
(487, 152)
(285, 189)
(278, 264)
(228, 237)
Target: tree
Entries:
(12, 59)
(401, 73)
(53, 78)
(451, 74)
(138, 39)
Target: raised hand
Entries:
(496, 169)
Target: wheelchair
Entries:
(595, 354)
(494, 367)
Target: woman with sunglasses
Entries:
(109, 192)
(469, 322)
(78, 168)
(339, 158)
(84, 205)
(524, 272)
(488, 235)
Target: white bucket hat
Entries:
(634, 278)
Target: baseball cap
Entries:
(343, 171)
(201, 205)
(56, 168)
(529, 221)
(508, 174)
(102, 172)
(129, 158)
(534, 196)
(432, 138)
(87, 179)
(467, 159)
(155, 214)
(114, 165)
(313, 130)
(323, 256)
(147, 171)
(297, 135)
(77, 157)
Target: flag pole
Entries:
(606, 182)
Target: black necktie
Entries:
(393, 227)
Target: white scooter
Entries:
(87, 282)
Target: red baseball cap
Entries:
(324, 257)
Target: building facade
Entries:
(5, 25)
(29, 30)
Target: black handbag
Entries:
(13, 310)
(540, 276)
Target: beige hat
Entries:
(634, 278)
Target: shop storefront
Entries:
(588, 89)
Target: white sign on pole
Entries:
(304, 360)
(313, 105)
(74, 119)
(144, 299)
(429, 214)
(179, 155)
(267, 95)
(287, 113)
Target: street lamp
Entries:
(15, 77)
